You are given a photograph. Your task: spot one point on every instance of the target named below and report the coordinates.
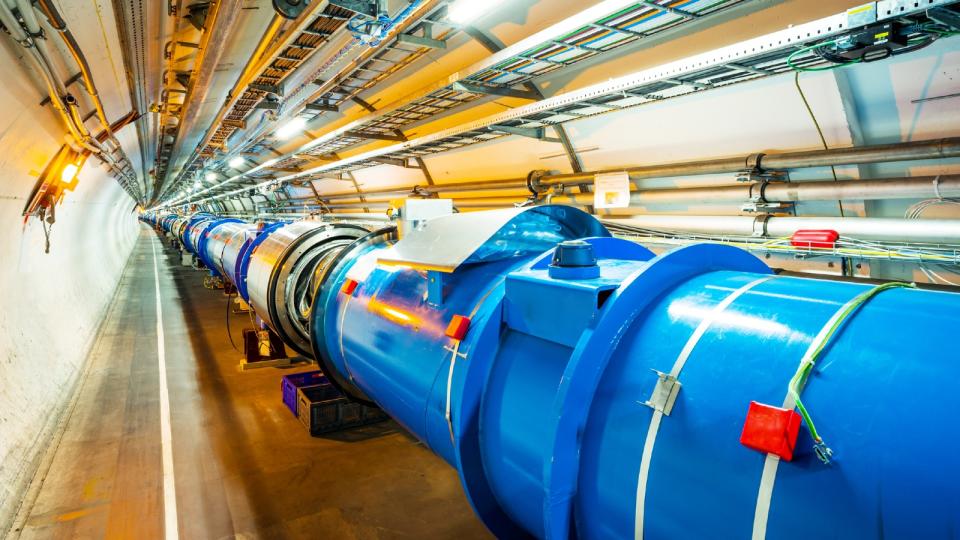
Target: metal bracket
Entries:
(321, 107)
(758, 200)
(421, 41)
(760, 225)
(765, 207)
(533, 181)
(759, 175)
(945, 17)
(664, 394)
(434, 288)
(370, 8)
(538, 133)
(374, 136)
(269, 88)
(268, 105)
(463, 86)
(396, 162)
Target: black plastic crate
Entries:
(323, 409)
(289, 385)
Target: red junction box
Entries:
(349, 286)
(458, 327)
(815, 238)
(769, 429)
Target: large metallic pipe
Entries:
(280, 277)
(220, 20)
(932, 231)
(821, 190)
(218, 238)
(234, 243)
(61, 26)
(885, 153)
(881, 189)
(599, 391)
(191, 229)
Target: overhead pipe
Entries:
(64, 103)
(266, 52)
(930, 231)
(809, 190)
(220, 21)
(294, 102)
(824, 190)
(858, 155)
(53, 16)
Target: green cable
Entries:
(804, 50)
(821, 341)
(814, 47)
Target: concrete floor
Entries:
(243, 466)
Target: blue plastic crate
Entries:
(289, 385)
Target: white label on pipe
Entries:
(611, 190)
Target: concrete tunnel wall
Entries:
(52, 303)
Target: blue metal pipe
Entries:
(207, 256)
(557, 417)
(246, 250)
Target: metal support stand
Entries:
(263, 348)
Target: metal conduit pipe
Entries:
(931, 231)
(385, 202)
(62, 101)
(908, 151)
(493, 185)
(826, 190)
(932, 149)
(219, 28)
(53, 16)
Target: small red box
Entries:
(458, 327)
(771, 429)
(813, 238)
(349, 286)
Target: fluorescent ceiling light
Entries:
(465, 11)
(236, 162)
(210, 176)
(291, 128)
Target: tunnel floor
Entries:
(243, 466)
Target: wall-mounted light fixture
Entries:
(60, 175)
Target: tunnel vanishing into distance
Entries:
(457, 269)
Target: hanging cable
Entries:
(816, 124)
(820, 342)
(229, 332)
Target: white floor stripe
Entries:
(654, 428)
(170, 530)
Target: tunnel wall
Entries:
(52, 303)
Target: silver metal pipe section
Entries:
(907, 151)
(282, 273)
(827, 190)
(820, 190)
(220, 22)
(929, 231)
(223, 246)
